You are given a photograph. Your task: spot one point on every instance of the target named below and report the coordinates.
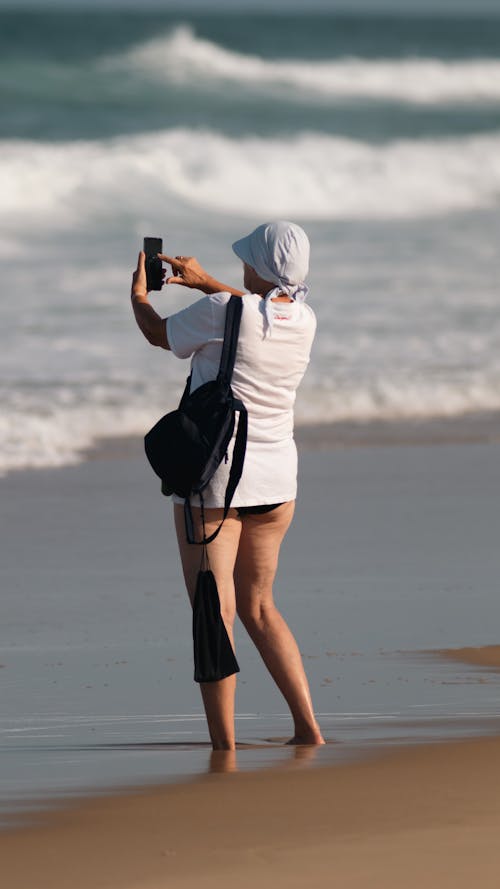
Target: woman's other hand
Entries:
(148, 320)
(139, 281)
(139, 277)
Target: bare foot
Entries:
(311, 738)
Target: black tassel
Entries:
(213, 653)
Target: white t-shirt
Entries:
(267, 372)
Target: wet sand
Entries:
(393, 551)
(419, 816)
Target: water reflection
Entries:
(291, 756)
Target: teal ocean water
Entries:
(380, 134)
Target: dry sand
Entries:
(426, 815)
(482, 656)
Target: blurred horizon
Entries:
(287, 7)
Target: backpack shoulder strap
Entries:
(234, 477)
(231, 331)
(185, 394)
(228, 356)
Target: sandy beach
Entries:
(396, 544)
(481, 656)
(422, 816)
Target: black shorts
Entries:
(256, 510)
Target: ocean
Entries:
(379, 134)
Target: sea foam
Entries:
(312, 176)
(57, 434)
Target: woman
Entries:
(276, 333)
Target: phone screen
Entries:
(152, 246)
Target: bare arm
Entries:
(186, 271)
(150, 323)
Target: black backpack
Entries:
(187, 445)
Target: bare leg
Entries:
(256, 565)
(218, 697)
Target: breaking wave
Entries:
(181, 56)
(313, 176)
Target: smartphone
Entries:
(152, 246)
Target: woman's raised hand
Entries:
(139, 282)
(186, 271)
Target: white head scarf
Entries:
(278, 252)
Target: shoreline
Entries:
(471, 428)
(419, 814)
(478, 427)
(424, 732)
